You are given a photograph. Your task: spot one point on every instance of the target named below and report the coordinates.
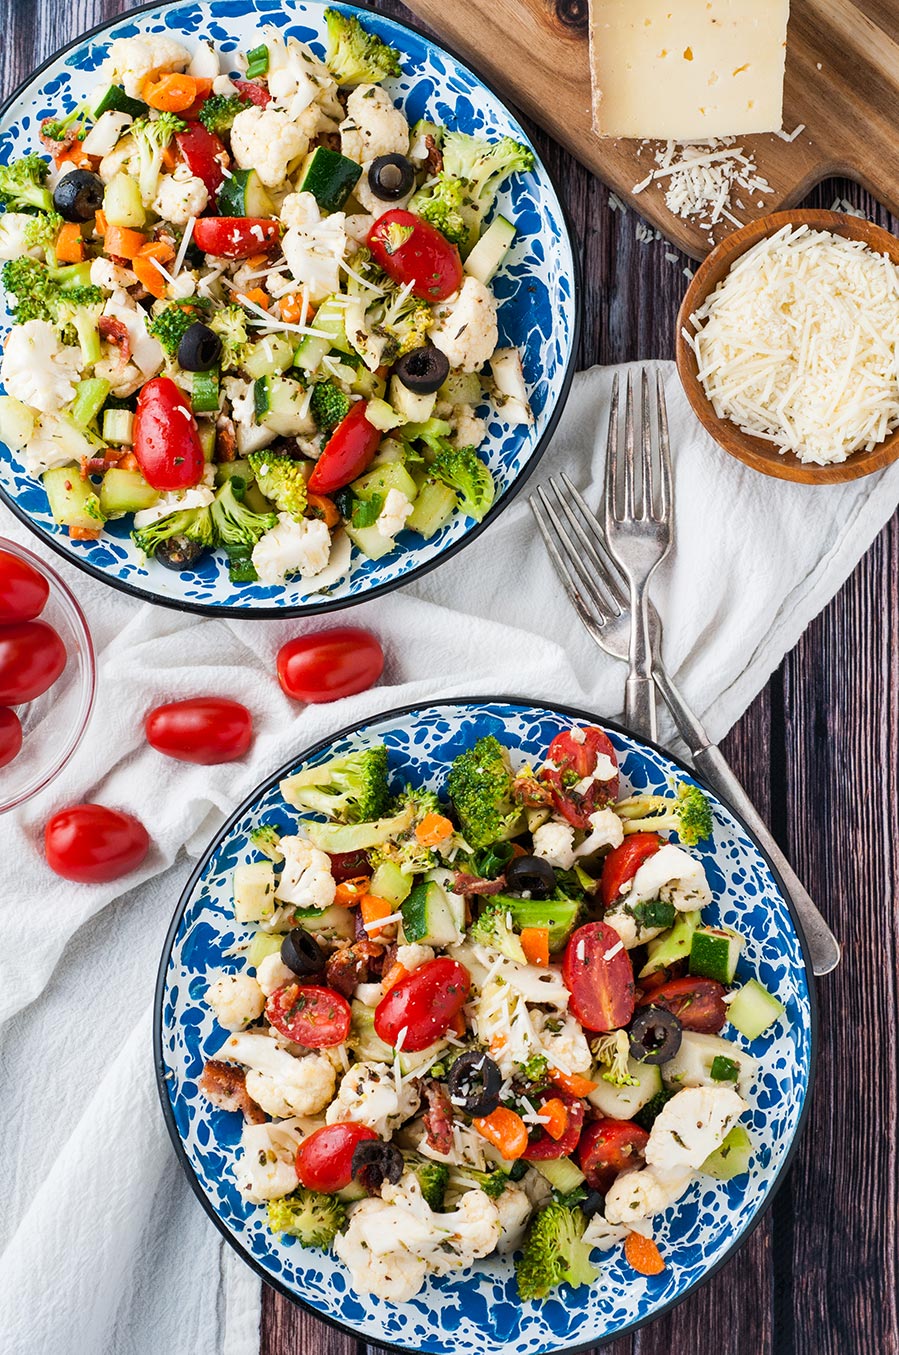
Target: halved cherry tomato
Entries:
(608, 1147)
(581, 758)
(602, 989)
(235, 237)
(543, 1146)
(697, 1003)
(422, 1005)
(23, 591)
(324, 1161)
(166, 441)
(505, 1130)
(649, 984)
(314, 1017)
(348, 452)
(622, 864)
(329, 664)
(204, 729)
(205, 155)
(411, 250)
(32, 656)
(10, 736)
(256, 93)
(349, 865)
(92, 844)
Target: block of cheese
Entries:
(687, 70)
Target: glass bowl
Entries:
(53, 724)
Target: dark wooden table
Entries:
(818, 753)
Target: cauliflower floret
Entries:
(265, 139)
(272, 973)
(110, 276)
(200, 496)
(124, 379)
(368, 1095)
(468, 1149)
(236, 999)
(392, 518)
(514, 1210)
(265, 1168)
(53, 442)
(13, 244)
(369, 199)
(468, 429)
(205, 62)
(184, 285)
(643, 1193)
(146, 352)
(130, 60)
(314, 253)
(296, 78)
(37, 368)
(281, 1084)
(563, 1042)
(373, 126)
(630, 932)
(122, 156)
(511, 399)
(673, 876)
(292, 547)
(606, 830)
(554, 842)
(251, 436)
(300, 209)
(690, 1126)
(306, 879)
(413, 956)
(104, 136)
(180, 196)
(604, 1235)
(357, 226)
(465, 329)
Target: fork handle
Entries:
(640, 706)
(712, 764)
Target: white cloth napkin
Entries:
(104, 1249)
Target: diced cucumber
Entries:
(262, 945)
(382, 479)
(536, 818)
(490, 250)
(430, 917)
(714, 952)
(90, 396)
(391, 449)
(732, 1158)
(366, 383)
(330, 319)
(270, 357)
(282, 405)
(118, 427)
(244, 194)
(562, 1174)
(434, 505)
(206, 433)
(364, 1040)
(693, 1062)
(380, 415)
(461, 388)
(330, 924)
(411, 1061)
(122, 202)
(16, 423)
(254, 891)
(73, 502)
(204, 391)
(370, 541)
(724, 1069)
(125, 491)
(231, 470)
(389, 882)
(673, 946)
(116, 99)
(329, 176)
(351, 1193)
(754, 1009)
(622, 1103)
(411, 406)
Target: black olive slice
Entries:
(531, 875)
(178, 553)
(391, 177)
(422, 370)
(200, 348)
(374, 1163)
(301, 953)
(474, 1083)
(78, 195)
(655, 1035)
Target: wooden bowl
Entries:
(756, 452)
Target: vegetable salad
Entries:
(253, 313)
(485, 1021)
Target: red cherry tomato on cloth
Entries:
(32, 656)
(329, 664)
(410, 249)
(543, 1147)
(324, 1161)
(236, 237)
(622, 864)
(253, 91)
(314, 1017)
(166, 441)
(10, 736)
(608, 1147)
(203, 729)
(348, 452)
(23, 591)
(423, 1004)
(92, 844)
(697, 1003)
(597, 972)
(205, 154)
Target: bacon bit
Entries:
(643, 1254)
(438, 1118)
(473, 884)
(96, 465)
(225, 439)
(434, 159)
(351, 965)
(68, 148)
(114, 332)
(226, 1086)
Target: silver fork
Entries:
(594, 586)
(638, 529)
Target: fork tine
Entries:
(575, 564)
(592, 554)
(646, 468)
(664, 453)
(611, 487)
(593, 622)
(611, 571)
(629, 497)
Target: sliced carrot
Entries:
(554, 1114)
(535, 944)
(171, 92)
(393, 976)
(69, 244)
(157, 249)
(505, 1130)
(350, 892)
(572, 1083)
(458, 1026)
(100, 222)
(643, 1254)
(123, 242)
(373, 909)
(73, 154)
(257, 295)
(324, 508)
(434, 828)
(129, 462)
(291, 308)
(148, 274)
(257, 260)
(84, 534)
(498, 1044)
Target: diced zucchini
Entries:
(262, 945)
(673, 946)
(490, 250)
(351, 1193)
(391, 449)
(330, 319)
(380, 415)
(562, 1174)
(329, 176)
(536, 818)
(622, 1103)
(714, 952)
(411, 406)
(122, 202)
(435, 504)
(461, 388)
(244, 194)
(73, 502)
(125, 491)
(281, 404)
(389, 882)
(366, 383)
(370, 541)
(16, 423)
(382, 479)
(204, 391)
(430, 917)
(732, 1158)
(207, 435)
(90, 396)
(364, 1040)
(329, 924)
(754, 1009)
(254, 891)
(116, 99)
(118, 427)
(269, 357)
(693, 1062)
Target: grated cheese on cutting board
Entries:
(702, 178)
(798, 344)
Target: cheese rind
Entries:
(687, 70)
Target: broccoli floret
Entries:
(171, 324)
(24, 184)
(328, 405)
(230, 324)
(193, 523)
(461, 196)
(266, 838)
(554, 1253)
(480, 787)
(235, 524)
(403, 321)
(492, 1183)
(491, 928)
(535, 1070)
(613, 1051)
(42, 230)
(688, 814)
(280, 479)
(78, 310)
(219, 111)
(314, 1219)
(463, 470)
(432, 1177)
(356, 56)
(151, 139)
(34, 288)
(55, 129)
(404, 850)
(645, 1117)
(349, 789)
(442, 203)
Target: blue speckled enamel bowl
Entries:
(539, 309)
(478, 1311)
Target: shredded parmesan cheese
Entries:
(702, 178)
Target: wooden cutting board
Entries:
(842, 82)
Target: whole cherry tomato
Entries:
(597, 972)
(697, 1003)
(422, 1005)
(92, 844)
(23, 591)
(32, 656)
(10, 736)
(329, 664)
(410, 249)
(314, 1017)
(166, 441)
(348, 452)
(622, 864)
(253, 91)
(236, 237)
(324, 1161)
(542, 1147)
(205, 155)
(203, 729)
(608, 1147)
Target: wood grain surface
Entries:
(819, 753)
